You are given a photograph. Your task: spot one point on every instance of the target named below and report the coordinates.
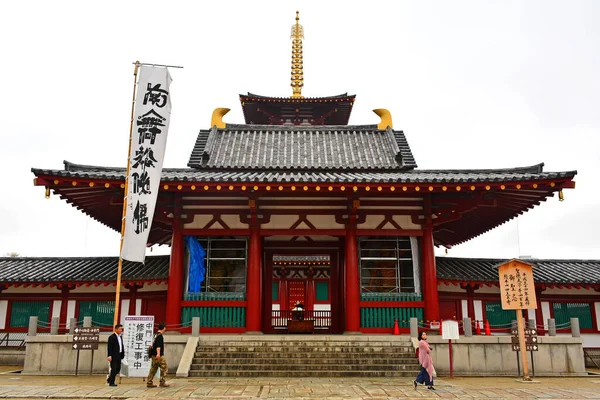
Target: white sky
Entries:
(476, 84)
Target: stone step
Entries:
(304, 374)
(304, 343)
(306, 355)
(276, 349)
(303, 361)
(304, 367)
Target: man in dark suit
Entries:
(116, 352)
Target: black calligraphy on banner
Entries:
(156, 96)
(152, 111)
(140, 217)
(149, 126)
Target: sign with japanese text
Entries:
(517, 289)
(152, 113)
(450, 330)
(138, 333)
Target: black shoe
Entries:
(112, 384)
(415, 384)
(430, 388)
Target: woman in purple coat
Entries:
(426, 374)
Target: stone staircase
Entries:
(304, 356)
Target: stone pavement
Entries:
(94, 387)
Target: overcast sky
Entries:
(479, 84)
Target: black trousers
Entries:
(115, 368)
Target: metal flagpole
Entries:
(126, 190)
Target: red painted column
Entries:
(430, 290)
(253, 306)
(64, 304)
(352, 284)
(175, 292)
(470, 302)
(133, 291)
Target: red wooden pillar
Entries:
(175, 292)
(253, 307)
(430, 290)
(352, 283)
(310, 291)
(133, 294)
(470, 302)
(64, 303)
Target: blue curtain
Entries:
(197, 270)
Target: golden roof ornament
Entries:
(297, 74)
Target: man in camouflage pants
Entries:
(158, 358)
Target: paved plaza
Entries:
(94, 387)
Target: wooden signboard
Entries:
(517, 292)
(516, 286)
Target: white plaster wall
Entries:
(70, 311)
(97, 289)
(233, 222)
(545, 313)
(124, 310)
(288, 238)
(465, 308)
(56, 309)
(280, 222)
(573, 291)
(154, 287)
(31, 290)
(322, 307)
(405, 221)
(199, 222)
(443, 288)
(477, 304)
(138, 306)
(324, 222)
(531, 315)
(3, 310)
(591, 339)
(372, 221)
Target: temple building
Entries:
(296, 206)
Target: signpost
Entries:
(518, 293)
(137, 336)
(450, 331)
(85, 339)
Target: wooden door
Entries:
(296, 293)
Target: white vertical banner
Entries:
(137, 336)
(152, 113)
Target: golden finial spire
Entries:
(297, 74)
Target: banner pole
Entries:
(126, 190)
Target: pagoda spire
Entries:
(297, 74)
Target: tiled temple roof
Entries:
(21, 270)
(331, 148)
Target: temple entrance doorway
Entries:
(302, 291)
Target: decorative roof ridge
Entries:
(258, 96)
(70, 167)
(253, 127)
(531, 260)
(532, 169)
(79, 258)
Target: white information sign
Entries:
(137, 336)
(450, 330)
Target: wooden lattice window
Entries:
(563, 312)
(102, 312)
(22, 310)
